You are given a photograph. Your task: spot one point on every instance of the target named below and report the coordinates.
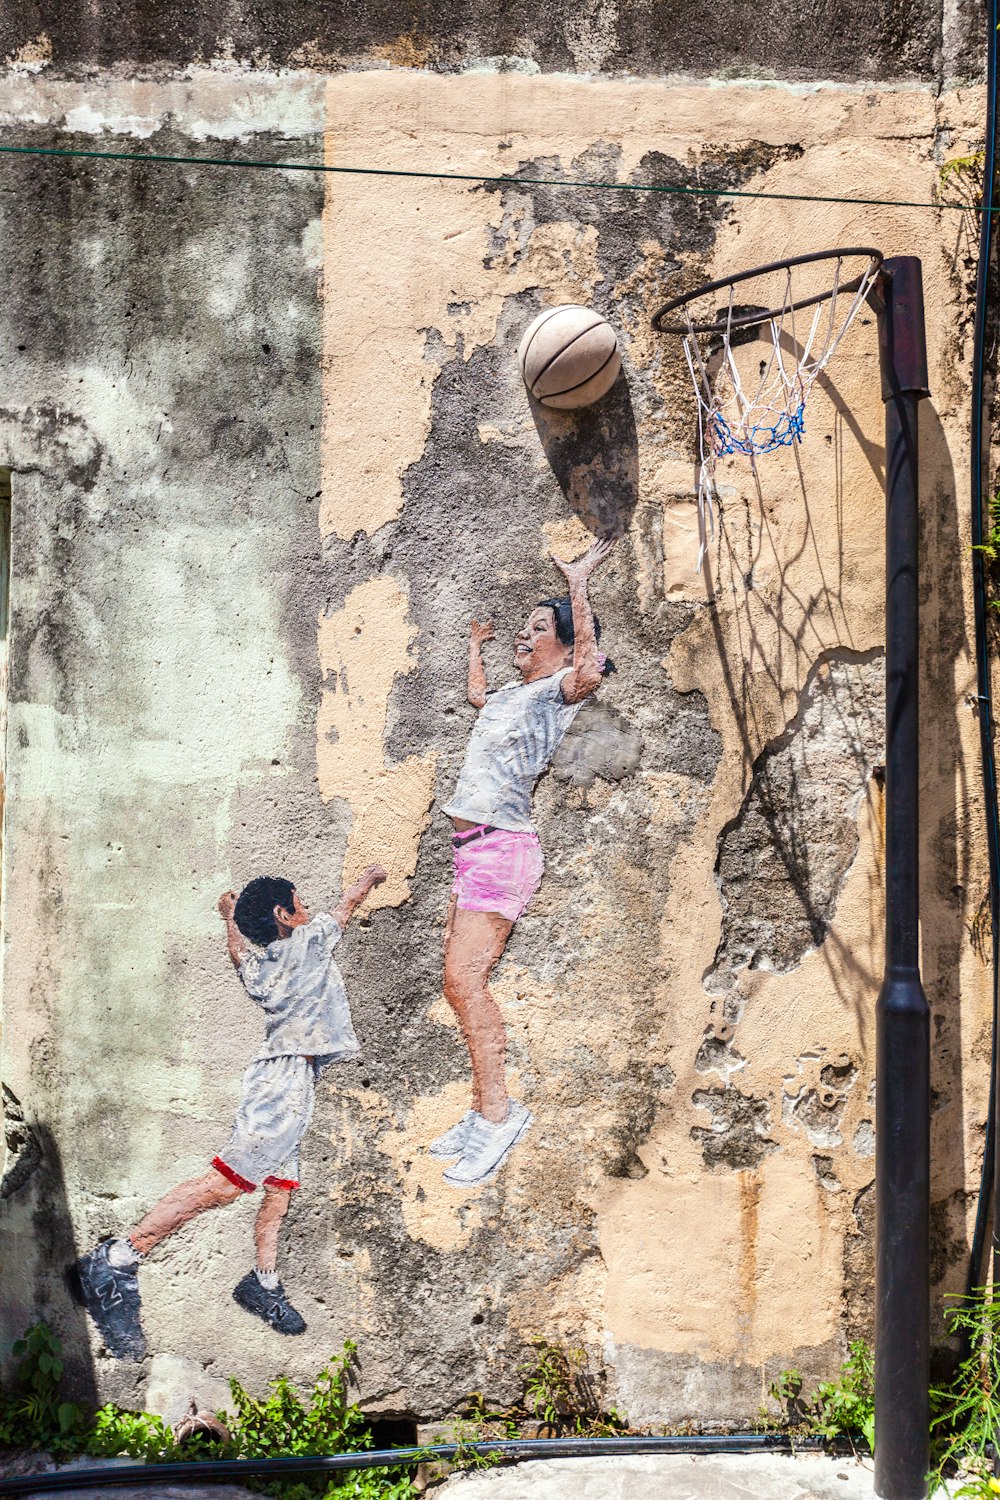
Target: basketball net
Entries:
(732, 417)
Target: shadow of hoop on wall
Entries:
(594, 454)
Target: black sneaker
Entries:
(111, 1296)
(274, 1307)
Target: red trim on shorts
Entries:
(288, 1183)
(233, 1177)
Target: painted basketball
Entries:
(569, 356)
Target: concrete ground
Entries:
(147, 1492)
(677, 1477)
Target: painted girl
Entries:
(498, 858)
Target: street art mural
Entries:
(285, 959)
(497, 853)
(638, 911)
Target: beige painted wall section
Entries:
(363, 648)
(693, 1262)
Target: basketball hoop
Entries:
(752, 414)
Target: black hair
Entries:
(562, 610)
(254, 910)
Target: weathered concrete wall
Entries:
(930, 40)
(271, 452)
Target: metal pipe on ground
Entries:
(902, 1059)
(221, 1471)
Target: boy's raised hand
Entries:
(235, 941)
(371, 876)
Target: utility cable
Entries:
(979, 470)
(253, 163)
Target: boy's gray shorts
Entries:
(273, 1117)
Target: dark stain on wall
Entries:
(738, 1135)
(783, 858)
(599, 743)
(23, 1151)
(649, 246)
(859, 1268)
(837, 39)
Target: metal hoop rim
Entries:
(748, 320)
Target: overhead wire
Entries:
(678, 190)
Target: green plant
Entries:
(550, 1383)
(558, 1393)
(787, 1391)
(989, 548)
(843, 1407)
(283, 1425)
(477, 1423)
(279, 1425)
(133, 1434)
(965, 1422)
(990, 545)
(34, 1415)
(965, 173)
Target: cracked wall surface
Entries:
(783, 859)
(270, 454)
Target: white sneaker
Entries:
(488, 1147)
(452, 1143)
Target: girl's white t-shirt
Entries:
(517, 732)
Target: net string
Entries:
(751, 421)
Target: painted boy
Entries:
(285, 960)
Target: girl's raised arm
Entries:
(476, 689)
(586, 671)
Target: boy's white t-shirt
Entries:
(301, 992)
(516, 734)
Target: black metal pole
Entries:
(902, 1049)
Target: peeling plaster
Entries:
(362, 648)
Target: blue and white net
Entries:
(752, 418)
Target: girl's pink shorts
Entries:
(497, 871)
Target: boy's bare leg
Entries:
(473, 946)
(180, 1205)
(106, 1275)
(260, 1292)
(267, 1226)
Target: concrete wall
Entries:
(270, 453)
(933, 41)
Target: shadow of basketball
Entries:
(594, 455)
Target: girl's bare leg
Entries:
(474, 942)
(265, 1230)
(181, 1204)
